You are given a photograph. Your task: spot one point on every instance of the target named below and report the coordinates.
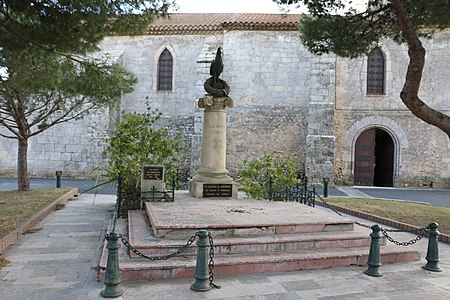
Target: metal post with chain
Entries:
(202, 277)
(206, 267)
(433, 251)
(112, 272)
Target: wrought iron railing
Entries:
(299, 193)
(135, 199)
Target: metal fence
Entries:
(298, 193)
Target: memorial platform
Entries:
(250, 236)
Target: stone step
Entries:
(250, 236)
(226, 265)
(265, 244)
(142, 238)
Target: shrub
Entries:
(256, 175)
(137, 143)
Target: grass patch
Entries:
(416, 214)
(17, 207)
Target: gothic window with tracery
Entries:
(375, 72)
(165, 71)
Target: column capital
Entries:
(209, 101)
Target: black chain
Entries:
(363, 225)
(163, 257)
(328, 205)
(211, 262)
(408, 243)
(336, 211)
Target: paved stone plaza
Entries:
(58, 262)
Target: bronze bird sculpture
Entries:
(216, 66)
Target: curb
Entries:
(14, 235)
(399, 225)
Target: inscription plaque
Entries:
(153, 173)
(217, 190)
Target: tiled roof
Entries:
(217, 22)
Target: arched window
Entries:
(375, 72)
(165, 71)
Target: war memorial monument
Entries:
(246, 236)
(212, 179)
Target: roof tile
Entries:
(198, 23)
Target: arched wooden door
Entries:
(374, 158)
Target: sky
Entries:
(237, 6)
(229, 6)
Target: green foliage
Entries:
(256, 175)
(337, 26)
(47, 72)
(138, 142)
(320, 35)
(73, 26)
(44, 89)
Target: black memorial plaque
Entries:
(217, 190)
(153, 173)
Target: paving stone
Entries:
(41, 272)
(253, 279)
(245, 290)
(283, 296)
(53, 275)
(300, 285)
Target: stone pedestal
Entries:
(212, 179)
(152, 182)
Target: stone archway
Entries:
(388, 125)
(374, 158)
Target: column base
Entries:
(217, 188)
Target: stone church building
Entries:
(339, 118)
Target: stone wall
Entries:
(320, 139)
(8, 155)
(74, 148)
(253, 130)
(286, 101)
(268, 74)
(421, 150)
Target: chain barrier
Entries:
(162, 257)
(408, 243)
(384, 230)
(211, 262)
(363, 225)
(176, 253)
(328, 205)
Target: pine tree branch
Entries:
(416, 53)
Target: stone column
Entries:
(213, 170)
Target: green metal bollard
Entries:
(326, 180)
(374, 261)
(112, 275)
(58, 178)
(433, 250)
(202, 283)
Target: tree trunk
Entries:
(22, 165)
(416, 52)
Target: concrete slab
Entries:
(238, 217)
